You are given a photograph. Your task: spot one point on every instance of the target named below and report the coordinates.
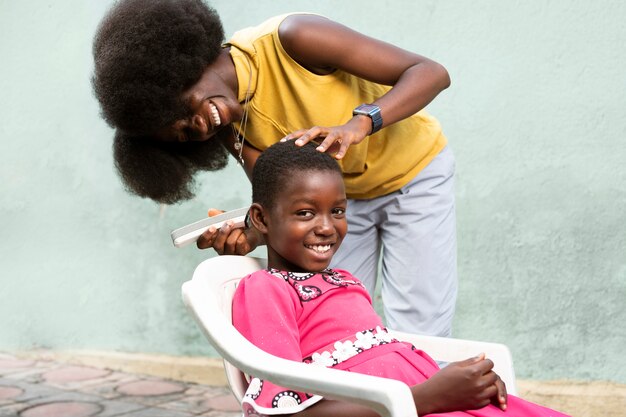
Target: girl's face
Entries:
(212, 104)
(307, 223)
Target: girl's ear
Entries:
(257, 217)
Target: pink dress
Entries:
(327, 319)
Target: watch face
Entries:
(367, 108)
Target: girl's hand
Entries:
(228, 240)
(500, 400)
(337, 139)
(465, 385)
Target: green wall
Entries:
(535, 116)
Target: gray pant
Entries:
(415, 227)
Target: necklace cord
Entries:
(241, 132)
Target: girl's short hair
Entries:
(147, 53)
(280, 163)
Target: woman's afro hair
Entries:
(147, 53)
(164, 171)
(283, 161)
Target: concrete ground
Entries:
(106, 384)
(577, 398)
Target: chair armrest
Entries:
(451, 350)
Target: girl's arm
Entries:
(465, 385)
(321, 46)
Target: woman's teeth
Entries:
(319, 248)
(215, 115)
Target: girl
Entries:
(181, 99)
(299, 309)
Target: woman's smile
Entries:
(215, 115)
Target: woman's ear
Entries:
(257, 217)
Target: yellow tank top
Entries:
(287, 97)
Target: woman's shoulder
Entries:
(270, 26)
(264, 28)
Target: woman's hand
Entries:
(337, 139)
(323, 46)
(465, 385)
(229, 240)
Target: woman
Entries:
(179, 97)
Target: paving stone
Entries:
(31, 368)
(7, 402)
(157, 412)
(151, 400)
(33, 374)
(12, 410)
(13, 363)
(10, 367)
(193, 390)
(30, 391)
(7, 392)
(150, 388)
(74, 374)
(66, 396)
(62, 409)
(226, 402)
(214, 413)
(112, 408)
(106, 387)
(208, 390)
(194, 404)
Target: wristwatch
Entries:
(373, 112)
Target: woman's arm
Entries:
(321, 46)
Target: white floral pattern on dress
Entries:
(346, 349)
(382, 336)
(365, 340)
(323, 359)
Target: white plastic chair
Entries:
(208, 297)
